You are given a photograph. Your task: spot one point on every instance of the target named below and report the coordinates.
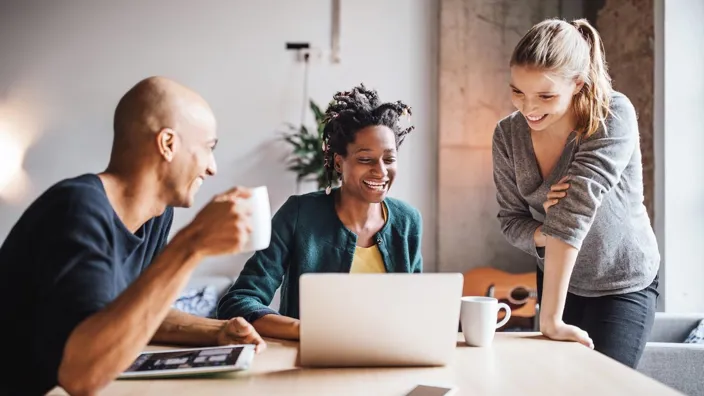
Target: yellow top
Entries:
(368, 260)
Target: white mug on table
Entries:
(258, 204)
(478, 318)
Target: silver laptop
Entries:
(365, 320)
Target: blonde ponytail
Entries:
(591, 104)
(573, 50)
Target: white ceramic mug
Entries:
(478, 318)
(258, 204)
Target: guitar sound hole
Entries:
(519, 295)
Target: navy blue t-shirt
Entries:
(68, 256)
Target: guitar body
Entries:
(519, 291)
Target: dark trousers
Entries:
(618, 324)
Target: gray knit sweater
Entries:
(603, 214)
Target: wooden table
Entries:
(516, 364)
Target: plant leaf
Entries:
(306, 156)
(319, 116)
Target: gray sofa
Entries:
(668, 360)
(221, 284)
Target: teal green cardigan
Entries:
(308, 236)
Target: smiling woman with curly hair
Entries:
(355, 228)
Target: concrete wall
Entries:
(477, 38)
(627, 30)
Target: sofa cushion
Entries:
(697, 334)
(198, 301)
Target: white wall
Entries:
(70, 61)
(683, 162)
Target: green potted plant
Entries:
(306, 158)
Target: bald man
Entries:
(86, 276)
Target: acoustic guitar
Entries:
(519, 291)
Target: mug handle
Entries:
(508, 314)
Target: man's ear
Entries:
(166, 142)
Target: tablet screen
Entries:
(171, 360)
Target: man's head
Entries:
(167, 130)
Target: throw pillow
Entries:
(697, 335)
(199, 302)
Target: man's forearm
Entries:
(106, 343)
(559, 263)
(278, 326)
(181, 328)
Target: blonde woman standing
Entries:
(571, 152)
